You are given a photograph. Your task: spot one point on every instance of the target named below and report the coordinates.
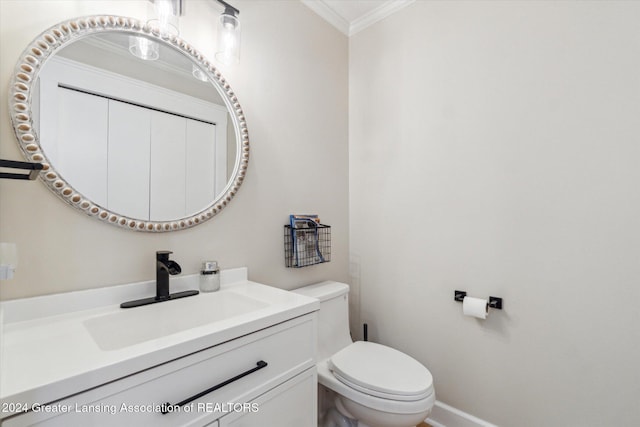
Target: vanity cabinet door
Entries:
(288, 348)
(291, 404)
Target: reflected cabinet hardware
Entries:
(259, 365)
(34, 169)
(494, 302)
(164, 268)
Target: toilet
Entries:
(374, 385)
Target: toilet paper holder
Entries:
(494, 302)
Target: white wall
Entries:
(495, 148)
(292, 84)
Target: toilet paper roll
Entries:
(476, 307)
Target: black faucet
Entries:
(164, 268)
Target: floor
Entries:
(423, 425)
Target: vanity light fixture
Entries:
(167, 13)
(228, 51)
(165, 22)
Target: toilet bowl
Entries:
(374, 385)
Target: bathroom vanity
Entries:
(242, 356)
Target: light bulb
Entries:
(166, 21)
(163, 9)
(228, 51)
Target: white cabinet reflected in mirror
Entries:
(146, 145)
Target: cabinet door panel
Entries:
(81, 148)
(201, 165)
(291, 404)
(129, 146)
(168, 134)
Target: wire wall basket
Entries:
(307, 246)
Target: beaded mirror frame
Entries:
(57, 37)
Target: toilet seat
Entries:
(381, 371)
(329, 380)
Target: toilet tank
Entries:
(333, 317)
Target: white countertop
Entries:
(47, 352)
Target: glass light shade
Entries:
(165, 27)
(228, 51)
(166, 22)
(198, 73)
(144, 48)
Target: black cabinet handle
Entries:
(261, 364)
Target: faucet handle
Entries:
(173, 268)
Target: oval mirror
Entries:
(134, 128)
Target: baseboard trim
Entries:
(444, 415)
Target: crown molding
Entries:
(330, 15)
(377, 14)
(350, 28)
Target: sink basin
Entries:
(132, 326)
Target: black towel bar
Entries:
(35, 169)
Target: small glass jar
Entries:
(209, 277)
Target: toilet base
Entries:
(368, 417)
(338, 411)
(333, 418)
(328, 414)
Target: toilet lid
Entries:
(381, 371)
